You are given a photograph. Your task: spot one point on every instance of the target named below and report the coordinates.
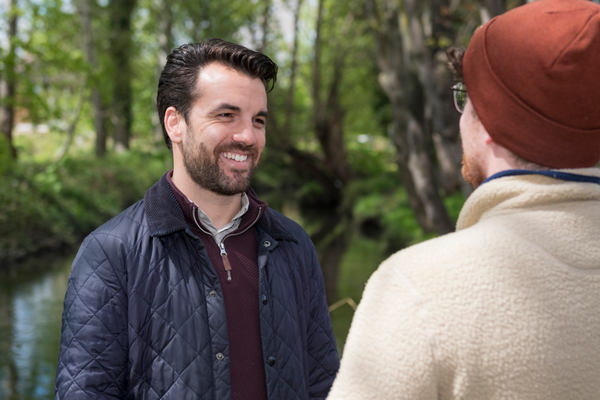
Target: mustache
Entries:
(237, 146)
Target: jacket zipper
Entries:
(224, 258)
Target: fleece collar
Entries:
(511, 192)
(565, 176)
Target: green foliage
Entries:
(48, 206)
(63, 201)
(454, 204)
(6, 160)
(381, 210)
(400, 224)
(53, 63)
(359, 262)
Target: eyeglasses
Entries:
(460, 96)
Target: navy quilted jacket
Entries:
(144, 316)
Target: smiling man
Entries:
(200, 291)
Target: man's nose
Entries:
(245, 134)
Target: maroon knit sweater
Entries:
(248, 380)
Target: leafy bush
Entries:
(49, 206)
(381, 210)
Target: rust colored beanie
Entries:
(533, 76)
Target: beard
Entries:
(203, 167)
(471, 170)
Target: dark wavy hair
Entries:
(179, 77)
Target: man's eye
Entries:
(225, 115)
(260, 121)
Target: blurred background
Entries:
(363, 147)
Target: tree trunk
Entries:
(489, 9)
(423, 175)
(332, 239)
(399, 50)
(332, 243)
(445, 135)
(328, 113)
(120, 50)
(388, 46)
(86, 12)
(419, 140)
(165, 45)
(449, 155)
(62, 152)
(8, 85)
(310, 164)
(261, 46)
(289, 106)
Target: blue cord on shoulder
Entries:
(565, 176)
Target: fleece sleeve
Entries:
(93, 349)
(390, 350)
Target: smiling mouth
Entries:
(236, 157)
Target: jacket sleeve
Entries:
(93, 348)
(390, 351)
(322, 351)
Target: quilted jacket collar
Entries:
(272, 224)
(165, 217)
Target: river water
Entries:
(31, 303)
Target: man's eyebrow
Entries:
(231, 107)
(226, 106)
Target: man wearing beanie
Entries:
(508, 307)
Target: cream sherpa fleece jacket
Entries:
(508, 307)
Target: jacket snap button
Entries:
(266, 243)
(220, 356)
(264, 299)
(213, 293)
(271, 361)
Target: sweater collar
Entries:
(248, 215)
(166, 217)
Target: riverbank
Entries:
(52, 206)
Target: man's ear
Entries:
(487, 138)
(175, 125)
(483, 134)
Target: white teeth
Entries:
(235, 157)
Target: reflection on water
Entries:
(30, 321)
